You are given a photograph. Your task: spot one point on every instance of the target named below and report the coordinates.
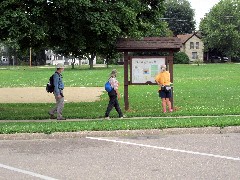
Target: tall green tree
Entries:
(221, 28)
(180, 16)
(79, 27)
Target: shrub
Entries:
(181, 58)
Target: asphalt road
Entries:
(183, 156)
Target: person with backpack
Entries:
(113, 94)
(58, 87)
(165, 92)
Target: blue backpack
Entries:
(108, 87)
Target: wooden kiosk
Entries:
(146, 66)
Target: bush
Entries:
(181, 58)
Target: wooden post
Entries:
(171, 72)
(126, 102)
(30, 58)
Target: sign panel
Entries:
(144, 69)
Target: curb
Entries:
(152, 132)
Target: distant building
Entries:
(53, 59)
(193, 46)
(4, 55)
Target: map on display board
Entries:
(145, 69)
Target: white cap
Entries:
(59, 65)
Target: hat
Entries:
(59, 65)
(114, 72)
(163, 67)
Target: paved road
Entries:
(183, 156)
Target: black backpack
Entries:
(50, 84)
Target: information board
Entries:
(144, 69)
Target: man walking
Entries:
(58, 93)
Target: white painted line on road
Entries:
(167, 149)
(26, 172)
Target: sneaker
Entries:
(107, 118)
(170, 110)
(62, 118)
(121, 117)
(52, 116)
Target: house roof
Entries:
(185, 37)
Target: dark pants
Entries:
(113, 102)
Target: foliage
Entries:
(181, 58)
(220, 28)
(79, 27)
(180, 16)
(198, 90)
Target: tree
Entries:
(79, 27)
(180, 16)
(221, 28)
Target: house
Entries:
(53, 59)
(4, 59)
(193, 46)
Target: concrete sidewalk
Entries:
(126, 118)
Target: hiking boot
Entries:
(61, 118)
(52, 116)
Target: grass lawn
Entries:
(106, 125)
(211, 89)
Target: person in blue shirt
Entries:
(58, 93)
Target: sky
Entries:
(201, 7)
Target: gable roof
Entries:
(185, 37)
(149, 43)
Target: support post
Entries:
(30, 57)
(171, 72)
(126, 102)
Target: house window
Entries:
(191, 45)
(194, 55)
(197, 45)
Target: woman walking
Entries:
(114, 95)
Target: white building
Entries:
(4, 60)
(54, 59)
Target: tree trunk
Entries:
(73, 62)
(107, 61)
(92, 56)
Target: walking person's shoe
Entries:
(52, 116)
(170, 110)
(107, 118)
(121, 117)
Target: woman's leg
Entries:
(169, 104)
(110, 105)
(164, 104)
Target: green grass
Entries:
(103, 125)
(204, 90)
(212, 89)
(38, 77)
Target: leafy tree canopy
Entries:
(79, 26)
(180, 16)
(221, 28)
